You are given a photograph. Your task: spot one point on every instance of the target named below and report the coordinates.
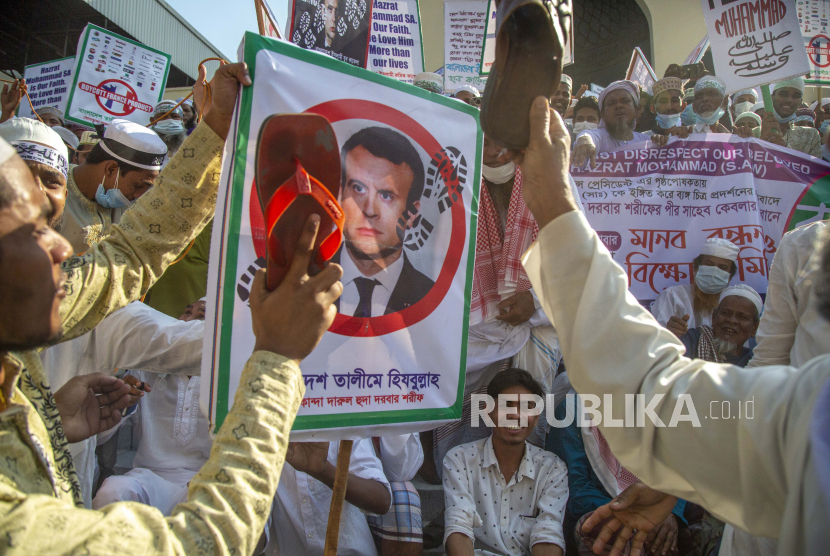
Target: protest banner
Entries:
(488, 51)
(699, 51)
(339, 28)
(396, 45)
(653, 208)
(266, 21)
(403, 367)
(754, 42)
(639, 70)
(464, 23)
(48, 85)
(115, 77)
(813, 22)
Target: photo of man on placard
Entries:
(383, 180)
(339, 28)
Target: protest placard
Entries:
(654, 208)
(699, 51)
(639, 70)
(339, 28)
(48, 85)
(754, 42)
(396, 46)
(268, 25)
(115, 77)
(815, 30)
(464, 23)
(402, 367)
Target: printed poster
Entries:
(402, 367)
(48, 85)
(698, 53)
(639, 70)
(464, 23)
(813, 20)
(339, 28)
(754, 42)
(654, 208)
(268, 25)
(396, 46)
(115, 77)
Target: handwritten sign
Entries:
(48, 84)
(654, 208)
(396, 45)
(639, 70)
(754, 42)
(464, 23)
(815, 30)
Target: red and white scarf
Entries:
(498, 267)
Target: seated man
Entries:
(618, 105)
(691, 305)
(734, 322)
(173, 439)
(301, 508)
(501, 493)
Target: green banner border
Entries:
(80, 60)
(255, 43)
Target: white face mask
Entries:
(741, 107)
(500, 174)
(582, 126)
(711, 279)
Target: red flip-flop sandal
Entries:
(297, 175)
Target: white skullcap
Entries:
(746, 92)
(188, 101)
(719, 247)
(750, 115)
(37, 142)
(792, 83)
(567, 80)
(825, 101)
(6, 151)
(710, 82)
(757, 106)
(134, 144)
(469, 88)
(429, 81)
(742, 290)
(50, 110)
(68, 137)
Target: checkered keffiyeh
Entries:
(706, 345)
(625, 478)
(498, 266)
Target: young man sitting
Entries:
(501, 493)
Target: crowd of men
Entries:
(104, 247)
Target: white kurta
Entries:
(676, 301)
(402, 456)
(759, 474)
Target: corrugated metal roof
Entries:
(159, 26)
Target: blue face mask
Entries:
(688, 115)
(667, 121)
(713, 119)
(825, 125)
(112, 198)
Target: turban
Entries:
(37, 142)
(742, 290)
(667, 84)
(719, 247)
(628, 86)
(710, 82)
(749, 115)
(792, 83)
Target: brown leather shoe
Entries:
(530, 39)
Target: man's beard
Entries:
(57, 223)
(191, 123)
(622, 130)
(384, 252)
(724, 348)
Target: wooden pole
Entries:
(338, 496)
(259, 21)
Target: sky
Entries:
(223, 23)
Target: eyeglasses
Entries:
(474, 101)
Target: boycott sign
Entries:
(115, 77)
(339, 28)
(464, 23)
(754, 42)
(815, 31)
(403, 365)
(48, 85)
(396, 45)
(654, 208)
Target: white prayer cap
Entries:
(748, 115)
(37, 142)
(50, 110)
(814, 105)
(792, 83)
(469, 88)
(188, 101)
(825, 101)
(567, 80)
(742, 290)
(757, 106)
(68, 137)
(746, 92)
(6, 151)
(719, 247)
(710, 82)
(430, 82)
(134, 144)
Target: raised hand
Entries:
(10, 98)
(678, 326)
(224, 88)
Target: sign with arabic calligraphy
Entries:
(654, 208)
(395, 359)
(754, 42)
